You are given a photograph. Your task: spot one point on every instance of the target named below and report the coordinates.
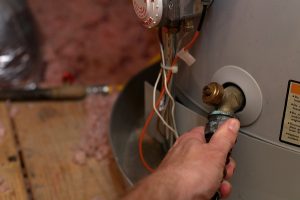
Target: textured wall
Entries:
(99, 41)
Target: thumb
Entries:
(225, 137)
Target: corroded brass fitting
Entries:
(227, 102)
(233, 100)
(229, 99)
(213, 94)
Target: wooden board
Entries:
(12, 185)
(48, 132)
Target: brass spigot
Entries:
(227, 101)
(233, 100)
(212, 94)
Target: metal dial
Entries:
(149, 11)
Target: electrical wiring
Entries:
(165, 68)
(173, 104)
(164, 82)
(147, 122)
(169, 136)
(181, 40)
(151, 114)
(203, 14)
(157, 103)
(167, 116)
(154, 103)
(192, 42)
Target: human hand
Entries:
(192, 169)
(199, 166)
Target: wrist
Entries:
(178, 186)
(170, 184)
(159, 185)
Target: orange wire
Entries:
(148, 120)
(151, 114)
(192, 42)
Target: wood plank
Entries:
(48, 133)
(11, 177)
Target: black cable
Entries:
(203, 14)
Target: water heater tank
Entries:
(255, 45)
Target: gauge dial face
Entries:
(149, 11)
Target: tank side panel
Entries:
(261, 37)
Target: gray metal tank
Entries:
(256, 45)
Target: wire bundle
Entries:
(166, 73)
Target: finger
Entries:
(225, 136)
(225, 189)
(230, 169)
(196, 133)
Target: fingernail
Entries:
(234, 125)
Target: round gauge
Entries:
(149, 11)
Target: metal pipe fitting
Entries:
(233, 100)
(227, 102)
(229, 99)
(212, 94)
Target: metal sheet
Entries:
(126, 121)
(128, 117)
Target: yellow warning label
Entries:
(290, 130)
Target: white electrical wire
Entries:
(168, 92)
(162, 72)
(174, 130)
(154, 104)
(173, 104)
